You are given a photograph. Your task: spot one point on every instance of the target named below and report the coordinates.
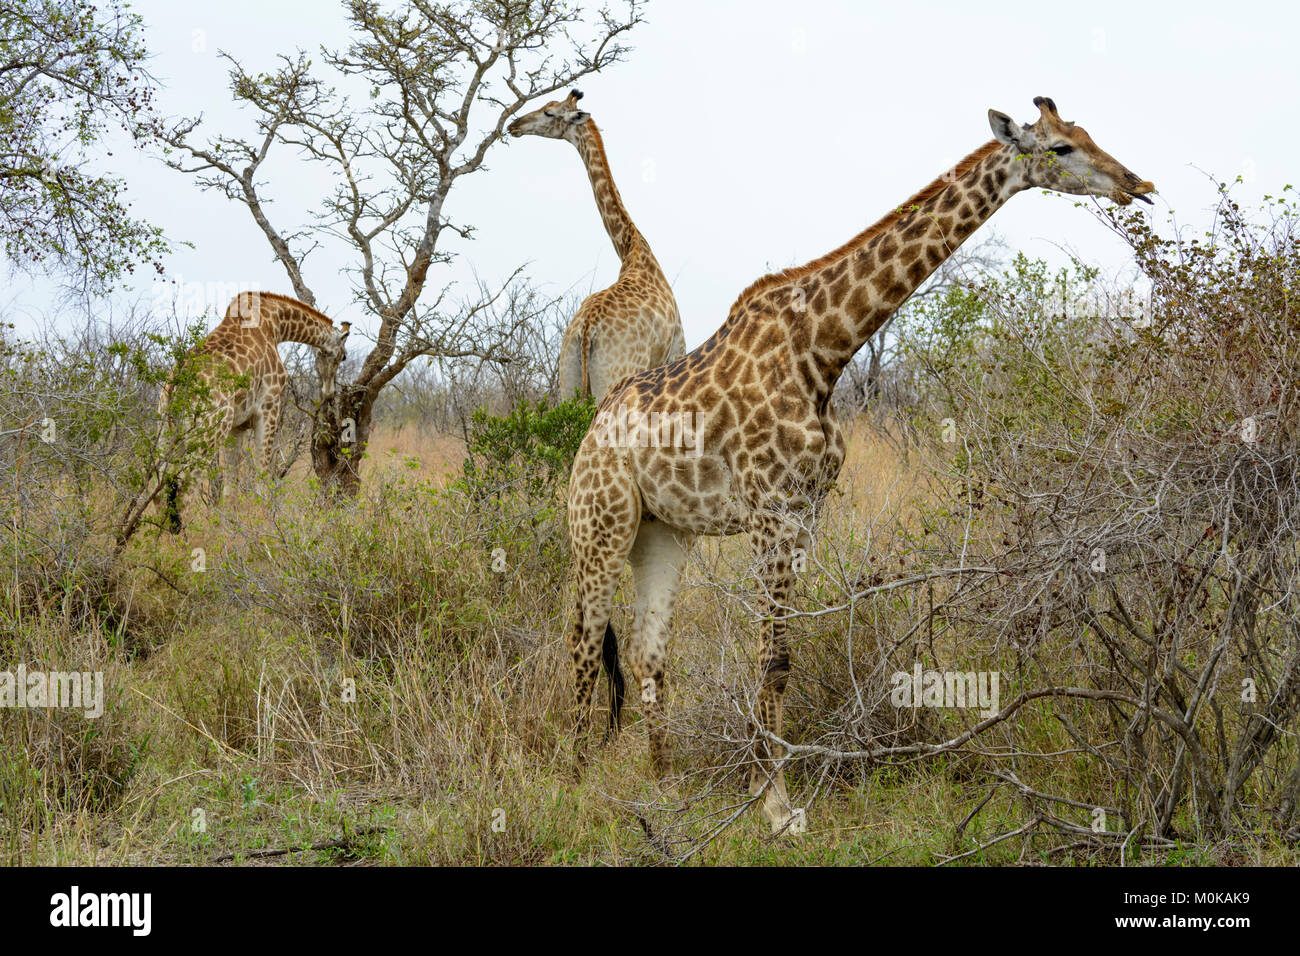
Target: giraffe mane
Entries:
(598, 140)
(935, 188)
(310, 310)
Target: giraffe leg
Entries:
(228, 475)
(570, 367)
(774, 552)
(268, 422)
(230, 470)
(211, 431)
(657, 559)
(599, 553)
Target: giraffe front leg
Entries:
(776, 578)
(222, 433)
(200, 447)
(774, 671)
(264, 431)
(228, 475)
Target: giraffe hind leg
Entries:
(657, 559)
(593, 644)
(264, 432)
(599, 554)
(570, 365)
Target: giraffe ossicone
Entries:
(634, 324)
(769, 447)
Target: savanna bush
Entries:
(80, 451)
(1122, 463)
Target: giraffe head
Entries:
(560, 119)
(1062, 156)
(329, 357)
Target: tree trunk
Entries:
(872, 389)
(340, 434)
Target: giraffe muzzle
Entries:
(1126, 194)
(1138, 189)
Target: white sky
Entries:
(746, 136)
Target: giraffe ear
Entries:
(578, 117)
(1005, 130)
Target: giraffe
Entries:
(754, 444)
(245, 377)
(634, 324)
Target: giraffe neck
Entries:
(613, 213)
(835, 304)
(295, 323)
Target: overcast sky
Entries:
(747, 136)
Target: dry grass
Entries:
(361, 677)
(432, 454)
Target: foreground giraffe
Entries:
(759, 445)
(633, 325)
(246, 377)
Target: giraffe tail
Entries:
(609, 657)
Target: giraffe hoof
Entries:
(668, 788)
(791, 825)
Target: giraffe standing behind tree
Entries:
(244, 378)
(634, 324)
(766, 447)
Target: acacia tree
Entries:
(70, 71)
(444, 80)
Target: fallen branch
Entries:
(345, 842)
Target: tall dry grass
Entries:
(363, 666)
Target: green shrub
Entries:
(531, 447)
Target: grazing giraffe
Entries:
(761, 447)
(633, 325)
(246, 378)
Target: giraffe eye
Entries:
(549, 114)
(1062, 150)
